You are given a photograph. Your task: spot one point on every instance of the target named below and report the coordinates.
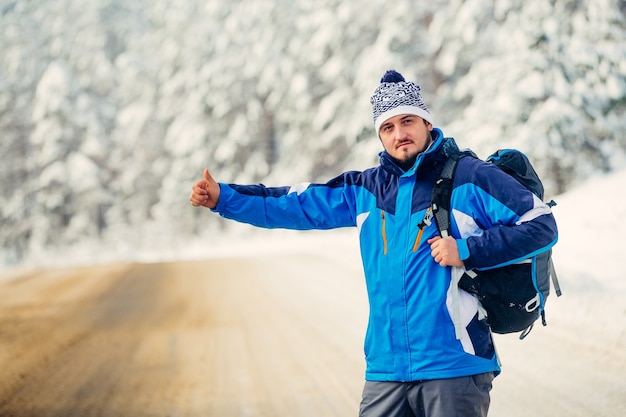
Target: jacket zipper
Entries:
(426, 221)
(384, 232)
(419, 237)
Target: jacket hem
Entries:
(430, 375)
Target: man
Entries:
(427, 352)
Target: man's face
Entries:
(404, 137)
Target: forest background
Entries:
(110, 110)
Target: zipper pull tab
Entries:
(427, 220)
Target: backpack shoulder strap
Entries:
(442, 190)
(440, 205)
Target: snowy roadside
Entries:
(574, 367)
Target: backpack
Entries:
(512, 297)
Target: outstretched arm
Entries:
(301, 207)
(205, 192)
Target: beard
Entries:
(407, 161)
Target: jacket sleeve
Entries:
(513, 223)
(301, 207)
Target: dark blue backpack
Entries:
(513, 296)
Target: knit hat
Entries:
(395, 96)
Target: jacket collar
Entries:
(440, 148)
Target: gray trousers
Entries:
(455, 397)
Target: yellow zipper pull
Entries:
(426, 221)
(384, 232)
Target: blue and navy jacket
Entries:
(411, 335)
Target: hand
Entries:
(444, 251)
(205, 192)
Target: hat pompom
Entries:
(392, 76)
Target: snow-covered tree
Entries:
(110, 110)
(544, 77)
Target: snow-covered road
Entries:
(260, 335)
